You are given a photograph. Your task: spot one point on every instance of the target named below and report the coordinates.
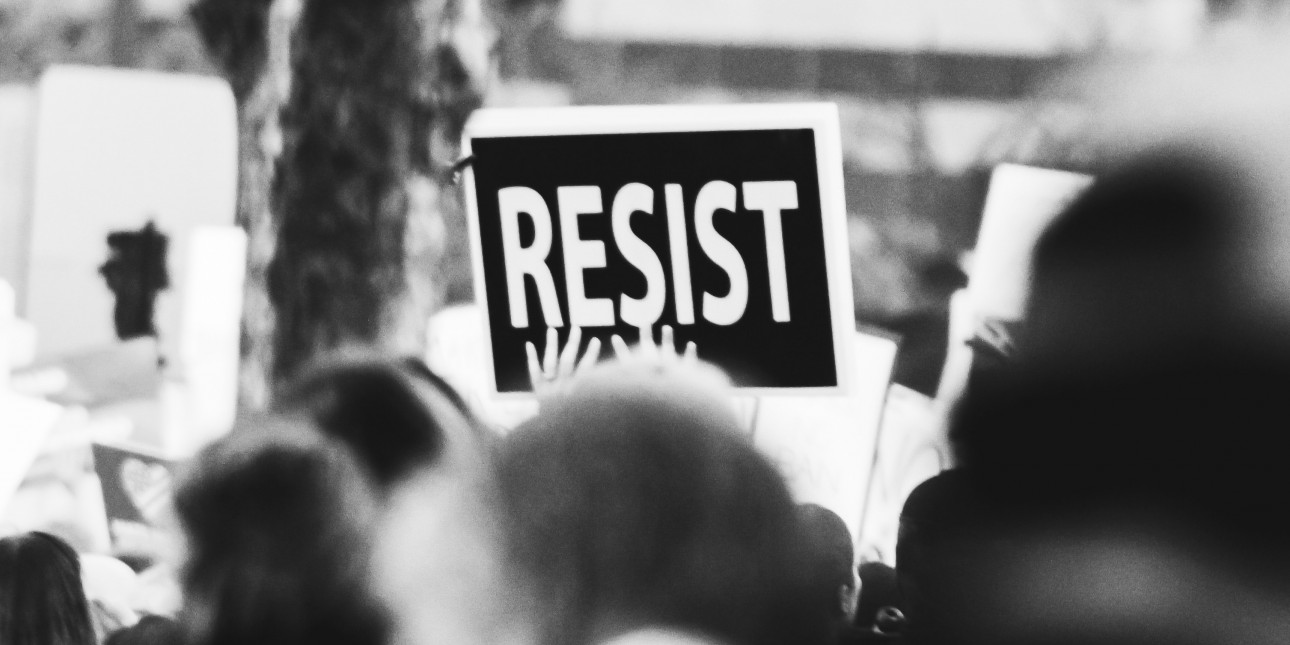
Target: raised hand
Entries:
(645, 349)
(557, 367)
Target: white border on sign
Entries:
(822, 118)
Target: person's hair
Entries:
(396, 415)
(276, 517)
(42, 599)
(150, 630)
(832, 555)
(633, 501)
(878, 589)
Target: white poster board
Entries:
(824, 446)
(115, 150)
(17, 134)
(911, 449)
(25, 424)
(1021, 203)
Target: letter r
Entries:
(527, 260)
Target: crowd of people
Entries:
(1118, 479)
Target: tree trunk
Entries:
(248, 40)
(356, 165)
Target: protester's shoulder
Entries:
(858, 636)
(660, 636)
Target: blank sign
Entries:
(116, 150)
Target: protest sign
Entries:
(210, 342)
(1020, 205)
(25, 425)
(911, 448)
(824, 445)
(17, 125)
(455, 350)
(138, 487)
(726, 223)
(127, 165)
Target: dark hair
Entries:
(395, 415)
(150, 630)
(832, 555)
(276, 515)
(1144, 335)
(42, 600)
(633, 503)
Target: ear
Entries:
(849, 597)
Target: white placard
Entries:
(7, 327)
(211, 334)
(116, 149)
(25, 423)
(1020, 205)
(824, 446)
(17, 133)
(455, 350)
(911, 449)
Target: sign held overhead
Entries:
(725, 223)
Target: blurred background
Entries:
(933, 93)
(933, 96)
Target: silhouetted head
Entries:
(276, 517)
(832, 557)
(150, 630)
(1133, 445)
(42, 601)
(634, 502)
(396, 415)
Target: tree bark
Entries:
(356, 168)
(248, 40)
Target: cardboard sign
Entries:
(1022, 202)
(1020, 205)
(127, 165)
(726, 223)
(25, 424)
(455, 350)
(17, 134)
(137, 491)
(824, 446)
(911, 449)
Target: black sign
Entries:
(719, 234)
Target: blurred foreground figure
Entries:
(42, 601)
(636, 513)
(276, 517)
(1128, 462)
(150, 630)
(396, 416)
(832, 567)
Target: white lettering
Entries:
(580, 255)
(772, 198)
(530, 260)
(645, 311)
(727, 309)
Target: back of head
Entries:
(634, 502)
(42, 601)
(1145, 405)
(150, 630)
(395, 415)
(276, 518)
(1143, 336)
(948, 540)
(832, 556)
